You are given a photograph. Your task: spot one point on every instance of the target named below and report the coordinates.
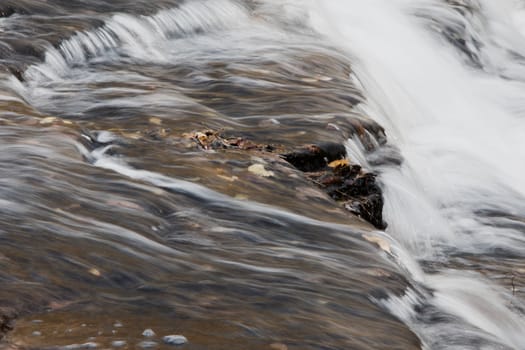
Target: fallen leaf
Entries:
(124, 204)
(278, 346)
(56, 305)
(155, 120)
(133, 136)
(325, 78)
(309, 80)
(95, 272)
(381, 242)
(339, 163)
(227, 178)
(259, 170)
(48, 120)
(378, 273)
(202, 137)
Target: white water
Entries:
(460, 130)
(139, 37)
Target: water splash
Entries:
(139, 37)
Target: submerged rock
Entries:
(175, 340)
(148, 333)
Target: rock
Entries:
(118, 343)
(7, 11)
(7, 317)
(36, 334)
(369, 208)
(148, 344)
(326, 166)
(175, 340)
(315, 157)
(148, 333)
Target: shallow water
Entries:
(114, 221)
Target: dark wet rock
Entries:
(315, 157)
(323, 164)
(7, 11)
(341, 180)
(368, 208)
(7, 317)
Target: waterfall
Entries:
(461, 132)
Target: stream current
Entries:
(113, 221)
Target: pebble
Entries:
(148, 333)
(36, 334)
(175, 339)
(118, 325)
(118, 343)
(148, 344)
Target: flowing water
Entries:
(113, 221)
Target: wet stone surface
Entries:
(324, 164)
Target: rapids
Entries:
(113, 221)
